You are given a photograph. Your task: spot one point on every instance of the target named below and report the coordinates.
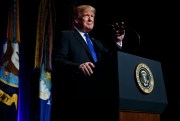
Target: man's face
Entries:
(86, 20)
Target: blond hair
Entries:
(79, 9)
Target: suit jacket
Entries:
(68, 53)
(71, 50)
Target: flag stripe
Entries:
(40, 33)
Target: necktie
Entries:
(91, 47)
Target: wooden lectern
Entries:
(137, 86)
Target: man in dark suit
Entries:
(75, 93)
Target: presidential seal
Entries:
(144, 78)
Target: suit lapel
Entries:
(81, 40)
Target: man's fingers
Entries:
(87, 68)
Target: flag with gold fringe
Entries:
(9, 65)
(44, 40)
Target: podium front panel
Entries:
(131, 97)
